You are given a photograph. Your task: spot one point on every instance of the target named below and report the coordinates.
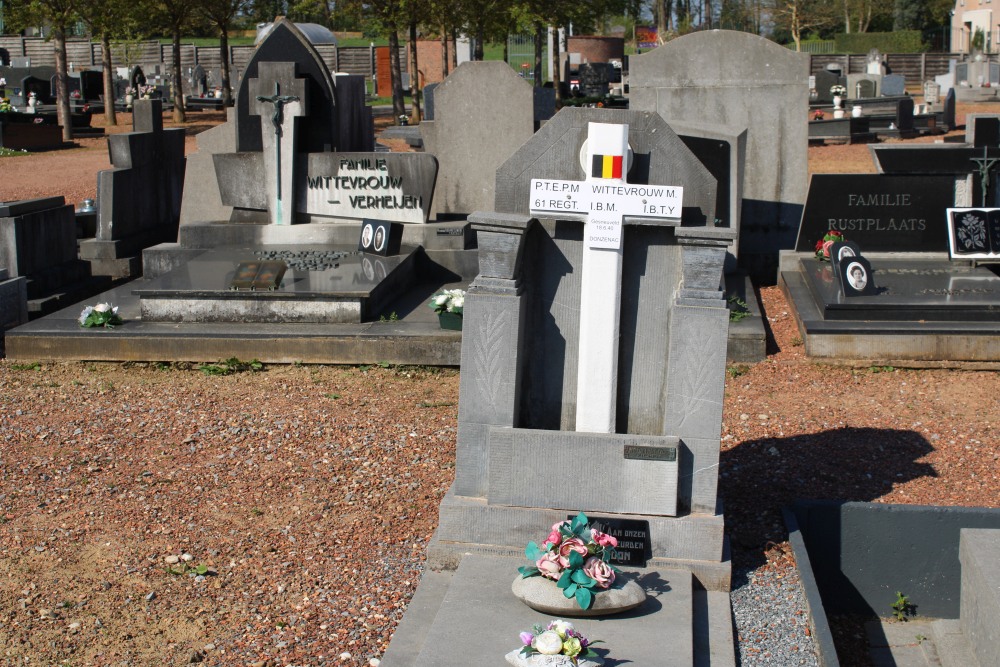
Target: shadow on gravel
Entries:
(759, 477)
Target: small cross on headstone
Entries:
(278, 95)
(603, 200)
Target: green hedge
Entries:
(900, 41)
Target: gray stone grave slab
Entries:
(893, 85)
(932, 92)
(466, 175)
(962, 74)
(352, 287)
(138, 200)
(38, 242)
(978, 551)
(740, 80)
(13, 301)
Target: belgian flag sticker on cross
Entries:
(606, 166)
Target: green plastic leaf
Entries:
(575, 560)
(580, 578)
(571, 590)
(565, 580)
(584, 597)
(579, 522)
(528, 571)
(533, 551)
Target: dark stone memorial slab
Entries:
(974, 233)
(318, 130)
(855, 277)
(934, 291)
(634, 544)
(880, 213)
(91, 85)
(986, 132)
(893, 85)
(824, 81)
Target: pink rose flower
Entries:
(570, 545)
(826, 247)
(599, 571)
(603, 539)
(549, 566)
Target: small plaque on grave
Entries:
(648, 453)
(253, 276)
(974, 233)
(380, 237)
(635, 546)
(856, 277)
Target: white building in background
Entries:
(970, 16)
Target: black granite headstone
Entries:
(715, 155)
(317, 129)
(904, 114)
(879, 212)
(91, 85)
(41, 87)
(856, 277)
(948, 114)
(987, 132)
(380, 237)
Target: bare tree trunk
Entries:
(178, 89)
(539, 36)
(227, 93)
(444, 53)
(454, 51)
(662, 21)
(414, 74)
(63, 116)
(477, 54)
(557, 74)
(396, 74)
(110, 118)
(707, 14)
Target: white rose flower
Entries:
(561, 627)
(440, 299)
(458, 301)
(548, 643)
(85, 314)
(102, 307)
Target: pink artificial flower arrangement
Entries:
(575, 556)
(824, 244)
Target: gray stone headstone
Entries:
(962, 74)
(429, 100)
(471, 139)
(948, 115)
(38, 242)
(932, 92)
(893, 85)
(994, 73)
(13, 302)
(824, 81)
(864, 89)
(20, 61)
(743, 82)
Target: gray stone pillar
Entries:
(491, 342)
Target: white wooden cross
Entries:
(602, 200)
(278, 98)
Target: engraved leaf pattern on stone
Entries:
(972, 232)
(696, 387)
(488, 356)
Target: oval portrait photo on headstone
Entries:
(366, 236)
(380, 237)
(857, 277)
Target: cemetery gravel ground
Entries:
(309, 492)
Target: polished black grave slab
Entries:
(910, 291)
(326, 284)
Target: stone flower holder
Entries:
(538, 660)
(543, 595)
